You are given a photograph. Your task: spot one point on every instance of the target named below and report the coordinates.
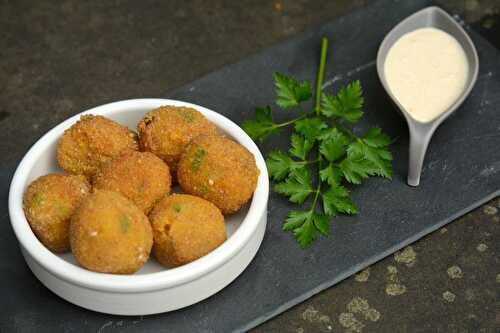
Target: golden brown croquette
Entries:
(92, 141)
(167, 130)
(109, 234)
(185, 228)
(141, 177)
(48, 205)
(219, 170)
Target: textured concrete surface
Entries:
(447, 282)
(62, 57)
(59, 58)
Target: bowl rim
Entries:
(143, 282)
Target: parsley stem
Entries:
(345, 130)
(321, 74)
(317, 108)
(308, 162)
(316, 196)
(286, 123)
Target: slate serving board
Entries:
(462, 171)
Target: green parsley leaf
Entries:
(306, 233)
(280, 165)
(336, 200)
(376, 138)
(355, 169)
(331, 174)
(297, 187)
(290, 92)
(262, 126)
(333, 145)
(347, 104)
(368, 156)
(322, 223)
(379, 157)
(295, 219)
(310, 128)
(306, 226)
(300, 146)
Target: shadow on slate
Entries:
(462, 171)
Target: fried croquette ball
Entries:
(219, 170)
(109, 234)
(185, 228)
(167, 130)
(92, 141)
(48, 205)
(141, 177)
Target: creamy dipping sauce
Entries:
(426, 71)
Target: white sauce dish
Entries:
(430, 88)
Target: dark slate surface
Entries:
(462, 171)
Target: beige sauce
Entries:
(426, 71)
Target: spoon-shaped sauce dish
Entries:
(421, 131)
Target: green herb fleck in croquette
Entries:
(37, 200)
(198, 158)
(124, 223)
(177, 208)
(186, 115)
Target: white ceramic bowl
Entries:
(154, 288)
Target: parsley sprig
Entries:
(321, 143)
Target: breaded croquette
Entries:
(92, 141)
(49, 203)
(167, 130)
(109, 234)
(185, 228)
(219, 170)
(141, 177)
